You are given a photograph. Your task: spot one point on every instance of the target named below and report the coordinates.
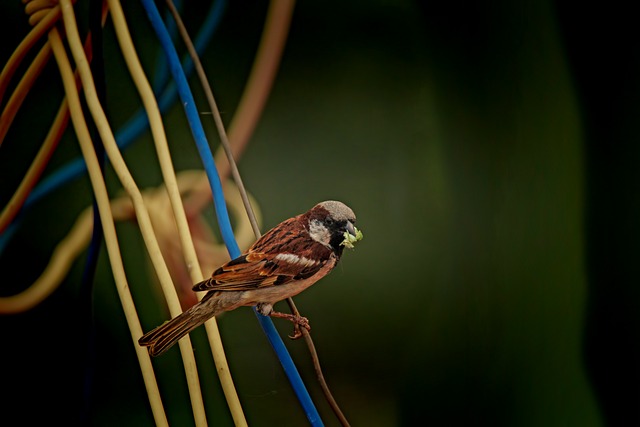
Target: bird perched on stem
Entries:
(282, 263)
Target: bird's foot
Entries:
(298, 321)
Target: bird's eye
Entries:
(329, 221)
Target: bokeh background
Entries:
(490, 151)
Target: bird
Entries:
(283, 262)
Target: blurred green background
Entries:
(489, 150)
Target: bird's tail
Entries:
(164, 336)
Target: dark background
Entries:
(489, 150)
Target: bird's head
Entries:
(332, 224)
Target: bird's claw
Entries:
(299, 321)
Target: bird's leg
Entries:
(267, 310)
(297, 321)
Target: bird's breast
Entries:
(275, 293)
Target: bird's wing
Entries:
(283, 254)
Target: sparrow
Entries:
(286, 260)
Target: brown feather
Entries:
(260, 267)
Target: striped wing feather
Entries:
(283, 254)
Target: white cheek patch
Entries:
(295, 259)
(319, 232)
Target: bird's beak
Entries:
(351, 235)
(351, 229)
